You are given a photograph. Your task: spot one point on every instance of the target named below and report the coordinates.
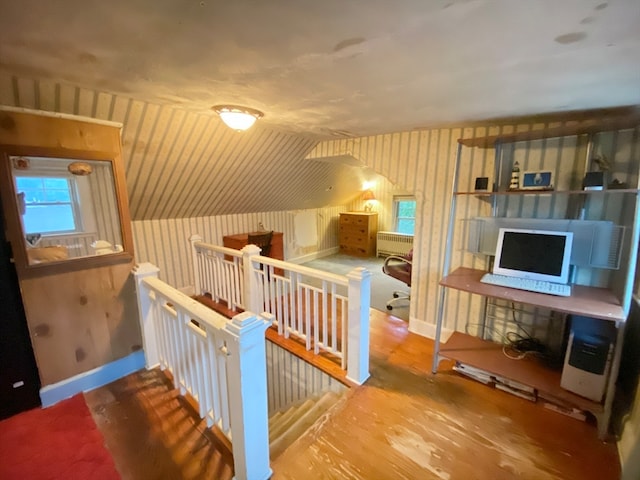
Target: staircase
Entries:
(287, 426)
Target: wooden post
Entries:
(358, 325)
(196, 270)
(248, 395)
(146, 313)
(253, 301)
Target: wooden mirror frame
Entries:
(61, 132)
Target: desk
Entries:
(239, 241)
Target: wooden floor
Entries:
(155, 434)
(404, 423)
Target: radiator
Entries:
(392, 243)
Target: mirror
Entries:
(68, 208)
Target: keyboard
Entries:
(539, 286)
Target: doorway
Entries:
(19, 378)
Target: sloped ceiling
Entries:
(317, 69)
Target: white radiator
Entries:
(392, 243)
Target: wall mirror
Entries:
(66, 209)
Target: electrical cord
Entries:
(516, 346)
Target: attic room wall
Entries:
(422, 162)
(165, 243)
(79, 317)
(181, 163)
(384, 191)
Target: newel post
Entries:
(247, 362)
(358, 325)
(147, 313)
(251, 288)
(196, 264)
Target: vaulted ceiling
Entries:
(317, 69)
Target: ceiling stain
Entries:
(602, 6)
(349, 42)
(86, 58)
(570, 37)
(587, 20)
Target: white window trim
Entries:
(396, 200)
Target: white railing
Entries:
(329, 312)
(221, 363)
(218, 272)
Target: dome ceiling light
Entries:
(236, 117)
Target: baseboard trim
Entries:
(314, 255)
(83, 382)
(428, 329)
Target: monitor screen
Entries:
(534, 254)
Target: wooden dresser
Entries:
(241, 239)
(357, 233)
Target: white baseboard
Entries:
(92, 379)
(428, 329)
(188, 290)
(314, 256)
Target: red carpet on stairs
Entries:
(61, 442)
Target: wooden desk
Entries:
(240, 240)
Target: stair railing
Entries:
(329, 312)
(221, 363)
(218, 272)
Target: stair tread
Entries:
(281, 439)
(290, 417)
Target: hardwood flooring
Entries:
(155, 434)
(404, 423)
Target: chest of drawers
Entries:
(357, 233)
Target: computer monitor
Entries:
(534, 254)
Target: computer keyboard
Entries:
(539, 286)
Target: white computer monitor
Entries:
(534, 254)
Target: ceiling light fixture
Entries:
(236, 117)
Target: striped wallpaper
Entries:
(422, 162)
(181, 163)
(187, 173)
(165, 243)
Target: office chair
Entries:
(399, 267)
(262, 240)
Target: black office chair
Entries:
(262, 240)
(399, 267)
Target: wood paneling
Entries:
(82, 319)
(80, 316)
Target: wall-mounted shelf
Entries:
(551, 192)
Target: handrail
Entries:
(329, 312)
(221, 363)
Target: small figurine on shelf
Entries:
(515, 177)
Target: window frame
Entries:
(397, 199)
(73, 200)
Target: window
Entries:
(49, 204)
(404, 214)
